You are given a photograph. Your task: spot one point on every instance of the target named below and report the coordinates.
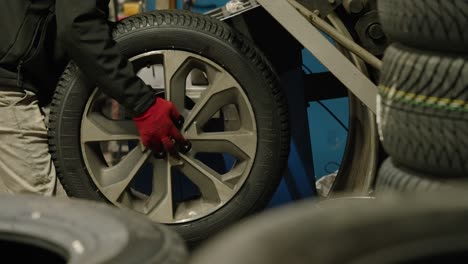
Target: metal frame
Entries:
(326, 52)
(344, 59)
(323, 7)
(337, 36)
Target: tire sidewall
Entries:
(87, 232)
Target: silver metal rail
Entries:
(326, 52)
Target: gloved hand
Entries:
(156, 126)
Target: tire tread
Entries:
(422, 111)
(429, 24)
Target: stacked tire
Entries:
(423, 94)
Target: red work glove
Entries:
(156, 126)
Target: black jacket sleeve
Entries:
(84, 29)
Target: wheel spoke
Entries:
(241, 143)
(208, 181)
(160, 205)
(236, 172)
(211, 73)
(218, 94)
(126, 199)
(115, 180)
(96, 127)
(175, 76)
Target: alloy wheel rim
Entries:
(234, 140)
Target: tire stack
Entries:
(423, 95)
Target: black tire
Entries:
(394, 178)
(53, 230)
(404, 228)
(429, 24)
(422, 111)
(218, 42)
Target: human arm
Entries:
(84, 30)
(86, 34)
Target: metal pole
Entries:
(340, 38)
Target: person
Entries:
(38, 38)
